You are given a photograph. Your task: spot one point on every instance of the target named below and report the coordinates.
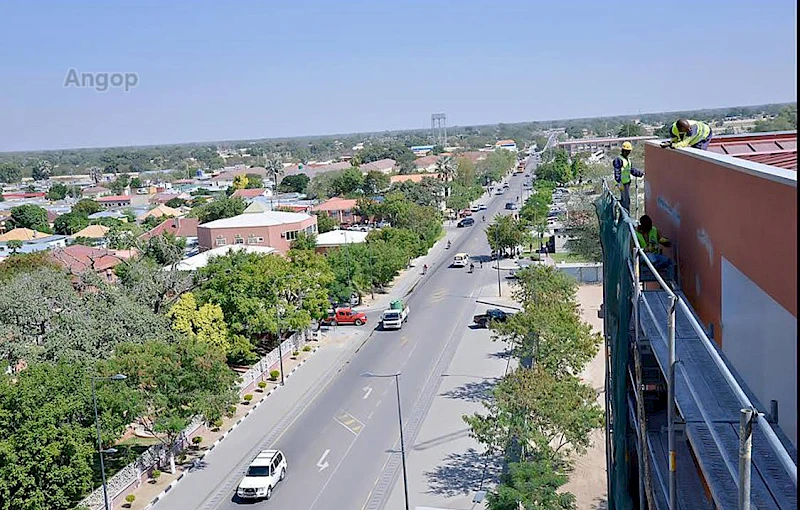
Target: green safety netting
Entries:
(615, 238)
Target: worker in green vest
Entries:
(689, 133)
(651, 242)
(623, 170)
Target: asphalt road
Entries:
(342, 444)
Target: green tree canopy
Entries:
(223, 207)
(57, 191)
(297, 183)
(30, 216)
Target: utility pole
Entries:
(497, 246)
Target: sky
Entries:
(229, 70)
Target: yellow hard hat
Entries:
(626, 146)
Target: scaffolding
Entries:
(697, 432)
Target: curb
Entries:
(227, 432)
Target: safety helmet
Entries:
(626, 146)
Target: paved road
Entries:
(341, 439)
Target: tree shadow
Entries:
(477, 391)
(461, 473)
(599, 504)
(504, 354)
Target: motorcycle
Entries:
(448, 244)
(424, 269)
(471, 267)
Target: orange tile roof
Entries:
(336, 204)
(412, 177)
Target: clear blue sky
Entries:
(235, 70)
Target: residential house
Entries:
(185, 228)
(386, 166)
(92, 232)
(95, 192)
(77, 259)
(114, 201)
(201, 259)
(416, 178)
(164, 197)
(24, 195)
(426, 163)
(249, 194)
(276, 229)
(159, 212)
(22, 234)
(31, 240)
(509, 145)
(338, 238)
(226, 177)
(340, 209)
(117, 215)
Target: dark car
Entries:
(492, 314)
(466, 222)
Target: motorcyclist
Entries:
(471, 267)
(483, 218)
(448, 244)
(424, 268)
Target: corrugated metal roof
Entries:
(774, 149)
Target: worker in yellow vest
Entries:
(651, 242)
(623, 170)
(689, 133)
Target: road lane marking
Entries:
(367, 390)
(403, 341)
(349, 422)
(322, 463)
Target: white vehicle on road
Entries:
(394, 316)
(461, 260)
(263, 474)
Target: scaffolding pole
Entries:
(673, 499)
(745, 456)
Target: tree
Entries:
(136, 183)
(325, 223)
(240, 182)
(70, 223)
(201, 323)
(165, 249)
(25, 263)
(534, 485)
(254, 181)
(42, 170)
(14, 245)
(447, 167)
(10, 172)
(297, 183)
(86, 206)
(119, 184)
(304, 241)
(225, 207)
(175, 202)
(505, 234)
(274, 167)
(57, 191)
(583, 235)
(349, 181)
(374, 182)
(573, 131)
(123, 236)
(30, 216)
(630, 129)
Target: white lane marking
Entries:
(367, 390)
(322, 463)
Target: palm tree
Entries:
(446, 166)
(274, 166)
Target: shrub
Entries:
(130, 498)
(155, 474)
(217, 423)
(295, 353)
(273, 374)
(306, 348)
(262, 385)
(197, 440)
(181, 458)
(248, 398)
(231, 410)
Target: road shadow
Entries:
(504, 354)
(473, 391)
(599, 504)
(475, 326)
(446, 438)
(461, 473)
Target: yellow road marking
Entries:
(349, 422)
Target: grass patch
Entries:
(567, 257)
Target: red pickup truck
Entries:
(344, 316)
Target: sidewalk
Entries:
(445, 465)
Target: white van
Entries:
(461, 260)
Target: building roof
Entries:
(775, 149)
(114, 198)
(202, 259)
(51, 216)
(228, 175)
(78, 258)
(94, 190)
(505, 142)
(23, 234)
(107, 214)
(158, 212)
(473, 156)
(249, 193)
(314, 170)
(412, 177)
(609, 139)
(426, 161)
(260, 219)
(92, 232)
(257, 207)
(160, 198)
(179, 227)
(382, 165)
(341, 237)
(23, 195)
(336, 204)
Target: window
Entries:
(291, 235)
(220, 241)
(252, 239)
(237, 239)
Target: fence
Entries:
(158, 455)
(583, 272)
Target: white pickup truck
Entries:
(394, 316)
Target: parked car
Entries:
(482, 207)
(344, 316)
(511, 206)
(464, 213)
(475, 208)
(466, 222)
(492, 314)
(265, 471)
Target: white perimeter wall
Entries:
(760, 340)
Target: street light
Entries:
(400, 418)
(117, 377)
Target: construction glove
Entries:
(665, 144)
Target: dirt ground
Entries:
(588, 480)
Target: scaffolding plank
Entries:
(690, 491)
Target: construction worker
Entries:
(689, 133)
(623, 169)
(651, 242)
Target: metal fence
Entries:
(158, 455)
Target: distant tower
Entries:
(439, 129)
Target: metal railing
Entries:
(677, 302)
(158, 454)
